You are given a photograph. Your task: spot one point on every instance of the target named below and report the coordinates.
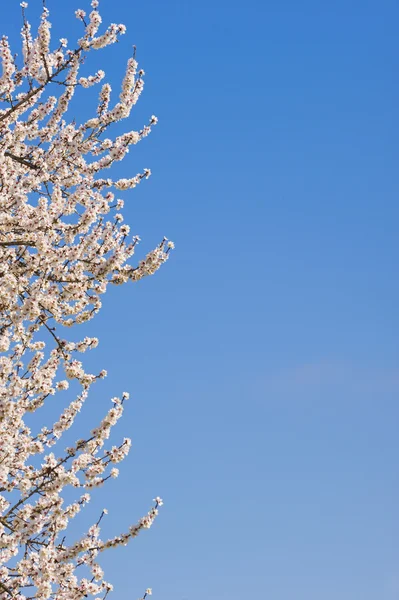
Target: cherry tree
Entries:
(62, 241)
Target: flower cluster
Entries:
(62, 241)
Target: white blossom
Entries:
(63, 240)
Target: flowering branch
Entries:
(62, 242)
(20, 160)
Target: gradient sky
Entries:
(263, 359)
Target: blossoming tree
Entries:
(62, 241)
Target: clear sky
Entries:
(263, 359)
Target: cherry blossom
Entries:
(63, 240)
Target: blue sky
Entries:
(263, 359)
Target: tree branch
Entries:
(18, 243)
(21, 160)
(6, 589)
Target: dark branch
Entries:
(22, 161)
(18, 243)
